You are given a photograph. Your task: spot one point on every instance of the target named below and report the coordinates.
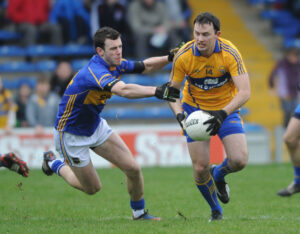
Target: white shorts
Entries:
(74, 149)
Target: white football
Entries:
(195, 127)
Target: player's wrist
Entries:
(223, 114)
(181, 118)
(170, 56)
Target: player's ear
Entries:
(218, 33)
(100, 51)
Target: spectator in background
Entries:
(22, 98)
(180, 14)
(73, 19)
(283, 82)
(31, 19)
(61, 77)
(42, 106)
(293, 6)
(150, 25)
(2, 13)
(112, 13)
(7, 109)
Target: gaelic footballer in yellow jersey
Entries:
(209, 84)
(216, 81)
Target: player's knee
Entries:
(201, 169)
(289, 140)
(239, 163)
(134, 170)
(93, 190)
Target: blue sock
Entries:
(208, 191)
(222, 170)
(137, 205)
(56, 165)
(297, 175)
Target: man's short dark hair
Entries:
(105, 33)
(208, 18)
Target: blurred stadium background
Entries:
(261, 30)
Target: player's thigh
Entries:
(292, 132)
(116, 151)
(236, 147)
(88, 177)
(199, 153)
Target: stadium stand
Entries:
(14, 66)
(47, 50)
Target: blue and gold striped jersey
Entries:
(209, 84)
(86, 95)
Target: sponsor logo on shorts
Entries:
(76, 160)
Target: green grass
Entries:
(41, 204)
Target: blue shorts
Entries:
(297, 112)
(231, 125)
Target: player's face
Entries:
(205, 38)
(112, 53)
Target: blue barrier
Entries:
(121, 113)
(47, 50)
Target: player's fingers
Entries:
(209, 121)
(209, 128)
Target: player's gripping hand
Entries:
(173, 51)
(12, 162)
(181, 118)
(216, 122)
(165, 92)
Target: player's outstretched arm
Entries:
(156, 63)
(163, 92)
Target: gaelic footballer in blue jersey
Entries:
(216, 82)
(79, 126)
(292, 141)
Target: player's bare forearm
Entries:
(133, 90)
(244, 92)
(237, 102)
(176, 107)
(155, 63)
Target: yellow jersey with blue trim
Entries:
(209, 84)
(6, 101)
(86, 95)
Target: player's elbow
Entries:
(246, 94)
(124, 93)
(120, 89)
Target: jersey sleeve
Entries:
(127, 66)
(101, 78)
(235, 62)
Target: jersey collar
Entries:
(100, 60)
(217, 49)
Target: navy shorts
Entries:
(233, 124)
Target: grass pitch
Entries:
(41, 204)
